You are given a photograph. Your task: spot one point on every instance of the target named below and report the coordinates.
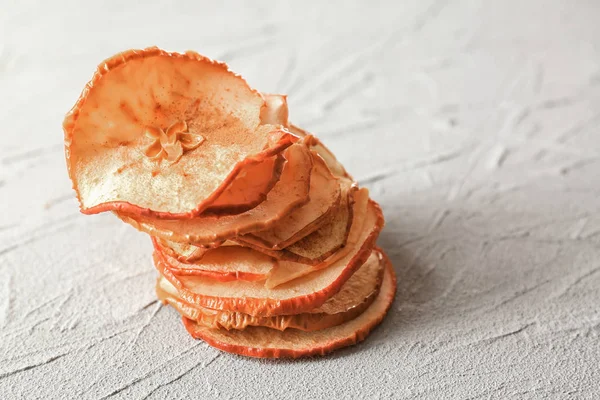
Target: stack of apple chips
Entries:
(263, 242)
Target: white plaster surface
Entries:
(474, 123)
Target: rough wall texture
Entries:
(474, 123)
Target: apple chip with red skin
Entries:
(288, 194)
(300, 295)
(164, 134)
(355, 296)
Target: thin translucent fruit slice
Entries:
(325, 195)
(286, 271)
(225, 263)
(315, 248)
(186, 252)
(301, 295)
(269, 343)
(164, 134)
(250, 187)
(288, 194)
(355, 296)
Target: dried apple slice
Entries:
(355, 296)
(301, 295)
(249, 188)
(164, 134)
(328, 239)
(325, 196)
(186, 252)
(225, 263)
(265, 342)
(286, 271)
(183, 252)
(288, 194)
(313, 249)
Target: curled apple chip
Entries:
(186, 252)
(249, 188)
(301, 295)
(225, 263)
(354, 297)
(183, 252)
(325, 241)
(164, 134)
(316, 247)
(290, 192)
(265, 342)
(325, 194)
(286, 271)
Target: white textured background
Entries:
(474, 123)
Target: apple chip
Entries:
(355, 296)
(164, 134)
(183, 252)
(315, 248)
(286, 271)
(223, 263)
(288, 194)
(301, 295)
(324, 196)
(265, 342)
(249, 188)
(186, 252)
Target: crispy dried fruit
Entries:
(186, 252)
(249, 188)
(315, 248)
(163, 134)
(325, 195)
(301, 295)
(225, 263)
(286, 271)
(183, 252)
(356, 295)
(265, 342)
(328, 239)
(288, 194)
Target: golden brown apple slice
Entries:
(225, 263)
(288, 194)
(183, 252)
(325, 241)
(355, 296)
(186, 252)
(301, 295)
(315, 248)
(164, 134)
(249, 188)
(286, 271)
(324, 196)
(265, 342)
